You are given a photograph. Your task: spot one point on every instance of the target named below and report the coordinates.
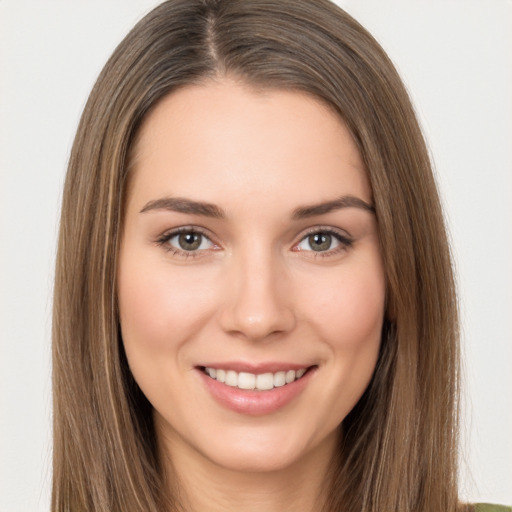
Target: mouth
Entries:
(255, 390)
(255, 381)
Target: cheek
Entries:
(346, 311)
(159, 309)
(347, 319)
(349, 308)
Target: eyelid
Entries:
(164, 238)
(342, 236)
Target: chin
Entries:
(255, 461)
(265, 451)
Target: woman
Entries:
(253, 274)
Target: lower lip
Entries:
(255, 403)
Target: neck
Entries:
(201, 485)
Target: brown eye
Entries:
(190, 241)
(320, 241)
(325, 241)
(186, 242)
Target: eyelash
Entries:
(163, 241)
(344, 241)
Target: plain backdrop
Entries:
(456, 59)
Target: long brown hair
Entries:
(398, 449)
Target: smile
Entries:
(252, 381)
(264, 390)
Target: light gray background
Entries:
(455, 57)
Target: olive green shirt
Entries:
(486, 507)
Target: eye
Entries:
(189, 241)
(324, 241)
(318, 242)
(186, 241)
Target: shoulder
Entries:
(487, 507)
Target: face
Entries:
(250, 282)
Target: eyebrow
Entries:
(304, 212)
(183, 205)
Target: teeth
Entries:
(299, 373)
(246, 380)
(231, 378)
(290, 376)
(260, 382)
(265, 381)
(279, 379)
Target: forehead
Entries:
(206, 138)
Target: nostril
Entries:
(265, 324)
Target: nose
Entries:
(258, 303)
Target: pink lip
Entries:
(255, 403)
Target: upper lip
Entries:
(256, 368)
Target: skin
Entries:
(255, 291)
